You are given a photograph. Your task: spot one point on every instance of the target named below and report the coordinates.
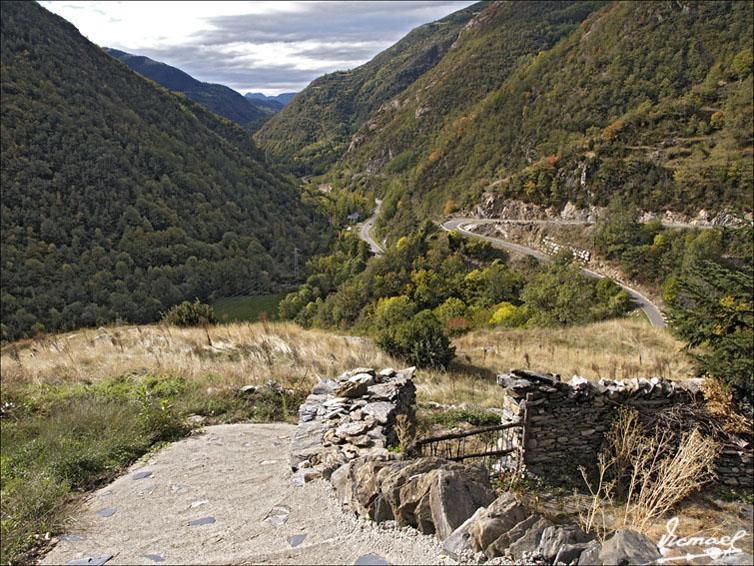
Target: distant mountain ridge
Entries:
(217, 98)
(283, 98)
(121, 198)
(315, 128)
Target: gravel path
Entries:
(225, 495)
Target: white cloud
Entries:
(252, 46)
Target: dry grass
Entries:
(615, 349)
(221, 356)
(252, 353)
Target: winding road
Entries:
(460, 224)
(364, 231)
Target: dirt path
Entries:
(226, 495)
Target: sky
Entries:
(268, 47)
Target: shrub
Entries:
(190, 314)
(420, 341)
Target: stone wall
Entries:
(566, 422)
(351, 416)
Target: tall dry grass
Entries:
(615, 349)
(220, 356)
(234, 355)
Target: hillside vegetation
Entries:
(315, 128)
(121, 198)
(550, 103)
(219, 99)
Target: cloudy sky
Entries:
(268, 47)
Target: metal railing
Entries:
(499, 446)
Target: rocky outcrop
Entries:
(351, 416)
(433, 495)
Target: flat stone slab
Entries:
(141, 475)
(278, 515)
(107, 512)
(371, 560)
(295, 540)
(90, 560)
(202, 521)
(153, 557)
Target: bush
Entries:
(420, 341)
(190, 314)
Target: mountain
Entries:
(547, 102)
(219, 99)
(283, 98)
(121, 198)
(315, 128)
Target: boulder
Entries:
(499, 517)
(628, 547)
(423, 515)
(499, 546)
(455, 495)
(393, 479)
(555, 537)
(530, 539)
(568, 553)
(591, 554)
(459, 540)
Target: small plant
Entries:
(190, 314)
(405, 429)
(158, 419)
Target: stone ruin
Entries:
(565, 423)
(351, 416)
(347, 425)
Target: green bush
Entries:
(190, 314)
(420, 341)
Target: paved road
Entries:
(367, 226)
(652, 312)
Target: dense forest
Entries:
(119, 198)
(551, 103)
(220, 99)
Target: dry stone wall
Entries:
(351, 416)
(565, 423)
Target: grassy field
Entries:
(78, 408)
(247, 309)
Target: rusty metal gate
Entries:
(499, 446)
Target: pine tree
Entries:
(714, 313)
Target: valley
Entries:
(562, 188)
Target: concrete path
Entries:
(225, 496)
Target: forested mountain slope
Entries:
(315, 128)
(120, 198)
(551, 102)
(219, 99)
(649, 101)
